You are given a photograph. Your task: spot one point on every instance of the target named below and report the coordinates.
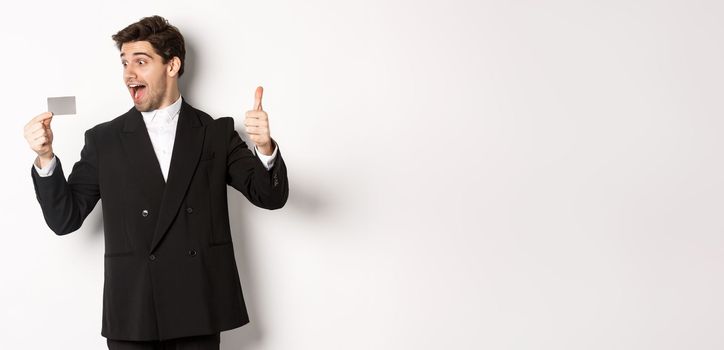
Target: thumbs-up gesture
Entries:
(40, 137)
(256, 125)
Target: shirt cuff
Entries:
(48, 170)
(267, 161)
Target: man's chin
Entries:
(142, 107)
(146, 104)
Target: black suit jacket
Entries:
(169, 261)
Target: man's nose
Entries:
(129, 73)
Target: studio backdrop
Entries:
(463, 174)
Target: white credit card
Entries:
(61, 105)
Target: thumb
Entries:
(257, 98)
(46, 122)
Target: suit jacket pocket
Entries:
(116, 238)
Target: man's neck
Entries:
(171, 97)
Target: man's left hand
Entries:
(256, 125)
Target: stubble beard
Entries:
(153, 102)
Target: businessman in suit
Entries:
(161, 169)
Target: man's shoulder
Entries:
(208, 120)
(204, 117)
(112, 125)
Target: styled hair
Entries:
(166, 39)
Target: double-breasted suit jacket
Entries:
(169, 267)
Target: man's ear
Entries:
(174, 64)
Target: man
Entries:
(162, 168)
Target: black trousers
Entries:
(202, 342)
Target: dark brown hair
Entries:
(166, 39)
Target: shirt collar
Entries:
(167, 114)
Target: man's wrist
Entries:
(43, 161)
(267, 149)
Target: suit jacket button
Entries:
(144, 213)
(152, 257)
(189, 210)
(192, 252)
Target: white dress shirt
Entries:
(161, 125)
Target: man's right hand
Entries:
(40, 138)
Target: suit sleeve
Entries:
(268, 189)
(66, 204)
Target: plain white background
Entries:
(463, 174)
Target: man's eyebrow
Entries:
(137, 54)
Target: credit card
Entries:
(61, 105)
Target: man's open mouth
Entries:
(137, 91)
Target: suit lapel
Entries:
(139, 150)
(184, 159)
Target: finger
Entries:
(42, 116)
(255, 122)
(42, 136)
(46, 122)
(39, 118)
(33, 127)
(257, 98)
(251, 122)
(261, 115)
(40, 141)
(256, 130)
(33, 138)
(37, 133)
(258, 139)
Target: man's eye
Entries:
(141, 62)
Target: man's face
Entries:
(145, 75)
